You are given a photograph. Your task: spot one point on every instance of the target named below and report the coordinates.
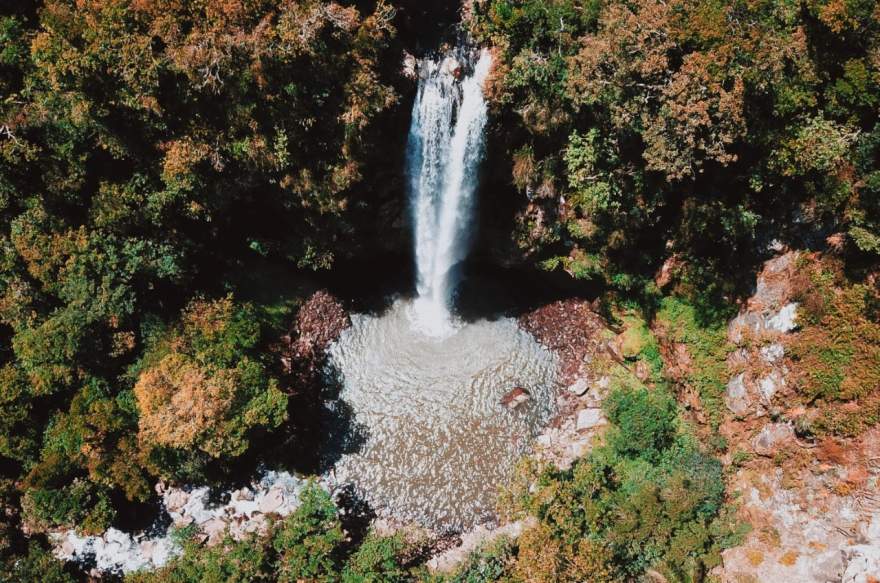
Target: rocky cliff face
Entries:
(811, 503)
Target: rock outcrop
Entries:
(589, 357)
(247, 511)
(302, 351)
(813, 510)
(571, 329)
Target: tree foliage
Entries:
(648, 129)
(148, 148)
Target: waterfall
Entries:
(443, 158)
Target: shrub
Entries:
(645, 421)
(377, 560)
(707, 346)
(837, 352)
(81, 504)
(308, 541)
(647, 499)
(37, 565)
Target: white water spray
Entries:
(444, 154)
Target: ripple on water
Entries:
(438, 443)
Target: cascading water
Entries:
(425, 435)
(444, 154)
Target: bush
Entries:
(645, 422)
(82, 505)
(647, 499)
(37, 565)
(377, 560)
(308, 541)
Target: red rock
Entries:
(515, 398)
(569, 328)
(318, 324)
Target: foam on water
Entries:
(443, 159)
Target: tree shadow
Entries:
(323, 429)
(490, 292)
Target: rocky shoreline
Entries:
(248, 510)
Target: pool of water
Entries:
(434, 444)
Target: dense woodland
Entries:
(161, 160)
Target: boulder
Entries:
(769, 385)
(579, 387)
(737, 397)
(453, 67)
(272, 501)
(771, 438)
(773, 286)
(589, 418)
(515, 398)
(242, 494)
(784, 320)
(214, 529)
(410, 68)
(175, 500)
(147, 550)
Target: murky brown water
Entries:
(438, 443)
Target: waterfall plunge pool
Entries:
(433, 442)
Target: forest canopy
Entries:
(635, 129)
(156, 153)
(147, 147)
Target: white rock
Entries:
(147, 549)
(771, 437)
(242, 494)
(784, 320)
(589, 418)
(243, 507)
(116, 551)
(578, 449)
(864, 564)
(215, 529)
(175, 500)
(744, 322)
(772, 352)
(272, 501)
(872, 533)
(768, 385)
(736, 396)
(579, 387)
